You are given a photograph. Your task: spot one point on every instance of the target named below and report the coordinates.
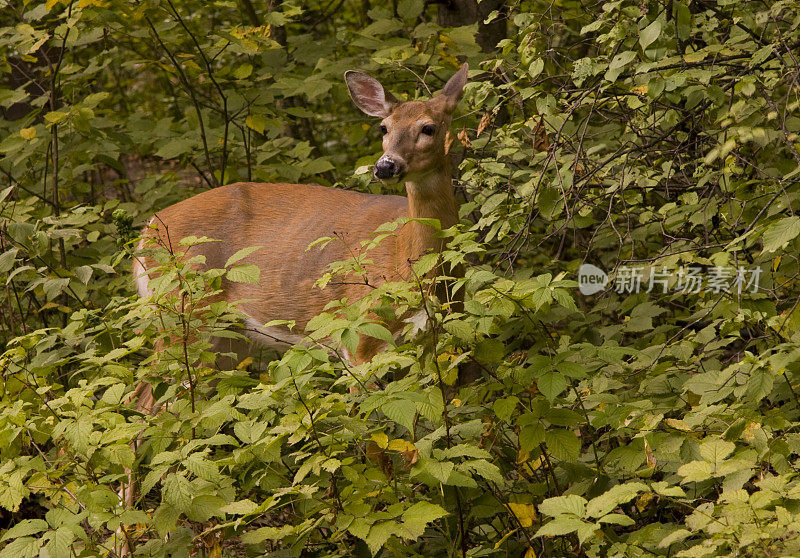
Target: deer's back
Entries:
(284, 219)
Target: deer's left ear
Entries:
(454, 88)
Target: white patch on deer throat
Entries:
(140, 272)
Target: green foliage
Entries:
(665, 423)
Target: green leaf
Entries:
(246, 273)
(241, 507)
(202, 467)
(54, 287)
(204, 507)
(531, 436)
(650, 33)
(463, 450)
(401, 411)
(84, 273)
(349, 338)
(563, 444)
(426, 263)
(675, 536)
(417, 517)
(551, 384)
(25, 528)
(460, 329)
(696, 471)
(560, 526)
(7, 260)
(440, 470)
(504, 408)
(56, 116)
(175, 148)
(617, 519)
(241, 254)
(536, 67)
(165, 518)
(715, 450)
(379, 534)
(619, 494)
(242, 71)
(488, 471)
(490, 351)
(410, 9)
(24, 547)
(113, 395)
(178, 492)
(778, 235)
(618, 63)
(377, 331)
(571, 504)
(267, 533)
(60, 542)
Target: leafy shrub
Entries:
(660, 136)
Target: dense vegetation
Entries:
(658, 417)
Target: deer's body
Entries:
(286, 288)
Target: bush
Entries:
(659, 416)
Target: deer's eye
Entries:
(429, 129)
(384, 130)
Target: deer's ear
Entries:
(369, 95)
(454, 88)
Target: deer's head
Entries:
(413, 132)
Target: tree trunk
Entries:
(455, 13)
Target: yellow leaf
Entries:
(456, 402)
(400, 445)
(499, 543)
(530, 553)
(695, 56)
(56, 116)
(245, 363)
(256, 122)
(526, 513)
(536, 465)
(749, 431)
(644, 500)
(381, 439)
(50, 3)
(651, 457)
(28, 133)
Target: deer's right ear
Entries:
(368, 94)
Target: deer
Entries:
(286, 218)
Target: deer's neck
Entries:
(431, 197)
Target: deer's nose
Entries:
(386, 168)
